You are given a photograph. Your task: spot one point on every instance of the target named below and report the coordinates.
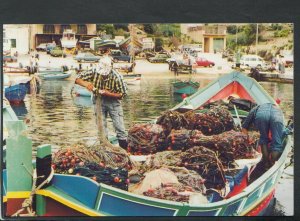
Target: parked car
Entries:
(159, 58)
(252, 61)
(87, 56)
(41, 47)
(118, 55)
(289, 60)
(203, 62)
(56, 52)
(50, 46)
(9, 58)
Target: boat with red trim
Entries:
(71, 195)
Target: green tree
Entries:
(159, 44)
(149, 28)
(108, 28)
(123, 26)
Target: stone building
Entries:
(212, 36)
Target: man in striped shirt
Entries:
(109, 89)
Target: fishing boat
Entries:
(15, 94)
(8, 69)
(68, 39)
(55, 75)
(132, 79)
(71, 195)
(52, 69)
(185, 87)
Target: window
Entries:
(13, 43)
(81, 29)
(48, 29)
(64, 27)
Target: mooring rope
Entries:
(27, 203)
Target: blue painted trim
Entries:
(117, 206)
(81, 188)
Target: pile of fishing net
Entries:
(146, 138)
(216, 120)
(170, 183)
(229, 146)
(117, 177)
(206, 163)
(173, 192)
(172, 120)
(95, 163)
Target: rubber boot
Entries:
(265, 155)
(274, 157)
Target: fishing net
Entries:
(164, 158)
(216, 120)
(206, 163)
(189, 178)
(93, 163)
(179, 139)
(229, 146)
(173, 192)
(117, 177)
(172, 120)
(146, 139)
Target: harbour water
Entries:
(57, 117)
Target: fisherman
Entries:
(267, 117)
(110, 89)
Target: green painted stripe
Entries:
(43, 151)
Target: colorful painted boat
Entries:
(68, 195)
(15, 94)
(185, 87)
(55, 75)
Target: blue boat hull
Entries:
(55, 75)
(16, 93)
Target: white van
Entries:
(252, 61)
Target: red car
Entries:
(204, 62)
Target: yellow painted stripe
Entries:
(254, 205)
(18, 194)
(68, 203)
(4, 199)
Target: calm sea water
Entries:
(58, 118)
(61, 119)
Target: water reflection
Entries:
(20, 110)
(62, 120)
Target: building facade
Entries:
(25, 37)
(212, 36)
(16, 38)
